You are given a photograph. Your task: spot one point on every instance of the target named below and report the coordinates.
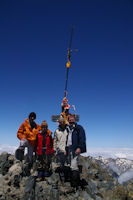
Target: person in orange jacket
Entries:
(27, 133)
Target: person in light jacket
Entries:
(60, 137)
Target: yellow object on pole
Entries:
(68, 65)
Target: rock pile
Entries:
(97, 183)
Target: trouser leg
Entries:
(30, 153)
(24, 143)
(20, 151)
(68, 159)
(61, 160)
(74, 162)
(47, 162)
(40, 167)
(75, 179)
(75, 175)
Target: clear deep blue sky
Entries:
(34, 38)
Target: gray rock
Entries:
(98, 198)
(30, 184)
(42, 191)
(1, 187)
(91, 188)
(53, 179)
(54, 193)
(86, 196)
(4, 163)
(39, 192)
(15, 169)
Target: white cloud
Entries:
(94, 152)
(120, 155)
(7, 148)
(111, 152)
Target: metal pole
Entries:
(68, 58)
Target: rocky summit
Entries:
(98, 182)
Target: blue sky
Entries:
(34, 38)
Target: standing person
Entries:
(60, 144)
(75, 144)
(27, 133)
(44, 151)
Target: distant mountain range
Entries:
(121, 168)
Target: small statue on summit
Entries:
(65, 109)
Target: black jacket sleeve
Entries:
(81, 138)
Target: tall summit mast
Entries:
(65, 106)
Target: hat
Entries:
(44, 123)
(32, 115)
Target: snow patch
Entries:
(126, 176)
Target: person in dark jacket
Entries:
(44, 151)
(75, 144)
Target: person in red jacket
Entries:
(44, 151)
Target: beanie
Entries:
(44, 123)
(32, 114)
